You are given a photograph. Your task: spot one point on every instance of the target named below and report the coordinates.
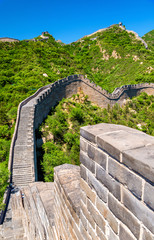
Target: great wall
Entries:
(110, 196)
(43, 36)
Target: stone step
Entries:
(23, 159)
(26, 172)
(20, 171)
(21, 177)
(19, 148)
(22, 181)
(22, 165)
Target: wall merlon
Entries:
(114, 188)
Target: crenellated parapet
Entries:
(33, 110)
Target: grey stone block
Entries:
(100, 190)
(112, 235)
(146, 235)
(141, 160)
(84, 233)
(124, 233)
(100, 233)
(83, 172)
(124, 215)
(110, 183)
(91, 132)
(118, 141)
(92, 233)
(83, 145)
(91, 151)
(149, 195)
(87, 162)
(142, 212)
(125, 176)
(100, 158)
(96, 216)
(87, 215)
(83, 220)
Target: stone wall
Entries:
(7, 39)
(67, 202)
(33, 110)
(109, 197)
(117, 178)
(112, 197)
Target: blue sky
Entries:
(70, 20)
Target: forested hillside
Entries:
(111, 58)
(149, 38)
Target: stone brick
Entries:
(125, 233)
(142, 212)
(101, 158)
(83, 220)
(146, 235)
(87, 215)
(87, 162)
(107, 214)
(125, 176)
(83, 145)
(111, 219)
(89, 192)
(149, 195)
(77, 231)
(100, 190)
(91, 151)
(73, 236)
(100, 233)
(90, 132)
(124, 215)
(112, 235)
(102, 207)
(92, 233)
(83, 197)
(84, 233)
(83, 172)
(141, 161)
(118, 141)
(96, 215)
(109, 182)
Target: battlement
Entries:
(37, 107)
(23, 161)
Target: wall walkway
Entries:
(33, 110)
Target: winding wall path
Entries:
(34, 110)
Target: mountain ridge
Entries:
(9, 39)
